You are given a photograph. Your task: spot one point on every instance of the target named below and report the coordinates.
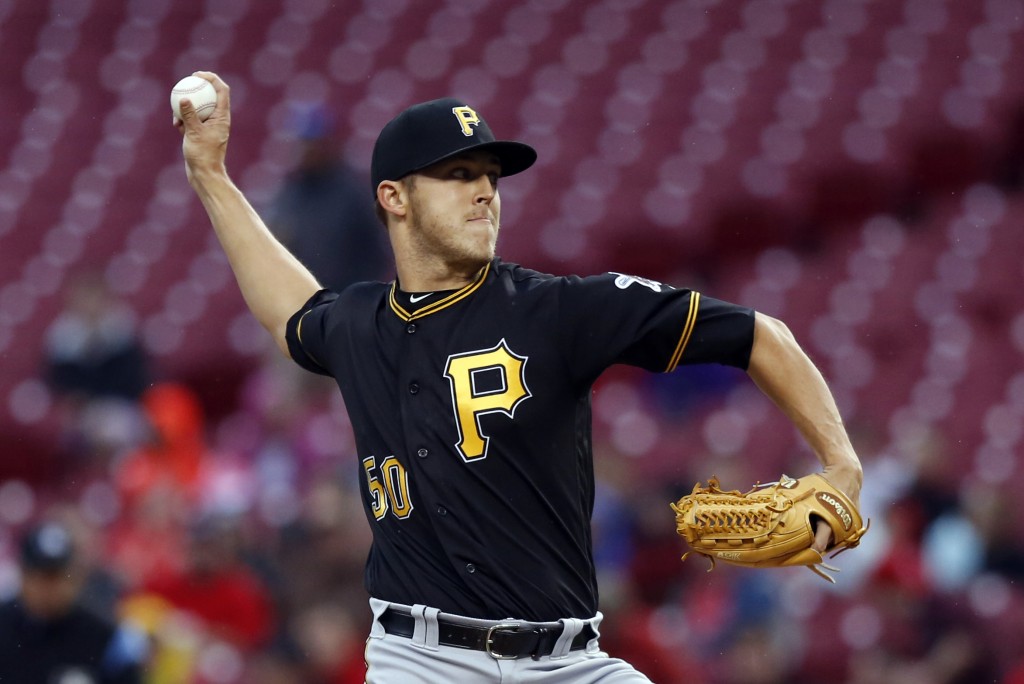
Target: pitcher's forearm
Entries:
(784, 373)
(274, 283)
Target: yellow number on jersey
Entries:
(391, 493)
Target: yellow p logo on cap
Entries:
(467, 117)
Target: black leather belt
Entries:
(501, 641)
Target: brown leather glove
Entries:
(771, 525)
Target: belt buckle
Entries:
(489, 640)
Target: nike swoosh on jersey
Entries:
(415, 298)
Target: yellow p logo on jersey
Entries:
(472, 398)
(467, 117)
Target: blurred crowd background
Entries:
(854, 167)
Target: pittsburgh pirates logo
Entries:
(483, 382)
(467, 117)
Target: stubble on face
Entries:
(448, 226)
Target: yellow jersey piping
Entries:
(684, 339)
(451, 299)
(298, 333)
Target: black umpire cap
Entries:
(429, 132)
(47, 548)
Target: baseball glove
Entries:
(772, 525)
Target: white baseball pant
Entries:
(421, 659)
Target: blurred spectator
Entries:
(289, 424)
(655, 568)
(323, 211)
(148, 536)
(651, 639)
(1000, 533)
(680, 394)
(332, 644)
(759, 654)
(177, 447)
(101, 588)
(97, 366)
(48, 636)
(945, 649)
(323, 552)
(96, 434)
(936, 476)
(215, 587)
(275, 667)
(902, 566)
(92, 348)
(953, 551)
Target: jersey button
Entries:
(470, 568)
(414, 388)
(422, 453)
(411, 328)
(441, 510)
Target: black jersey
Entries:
(473, 423)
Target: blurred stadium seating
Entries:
(681, 140)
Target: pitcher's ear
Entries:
(392, 197)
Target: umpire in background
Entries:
(47, 636)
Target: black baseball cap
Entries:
(429, 132)
(48, 548)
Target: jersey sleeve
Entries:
(615, 318)
(306, 333)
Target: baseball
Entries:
(199, 91)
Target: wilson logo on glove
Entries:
(771, 525)
(836, 508)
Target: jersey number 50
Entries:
(391, 490)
